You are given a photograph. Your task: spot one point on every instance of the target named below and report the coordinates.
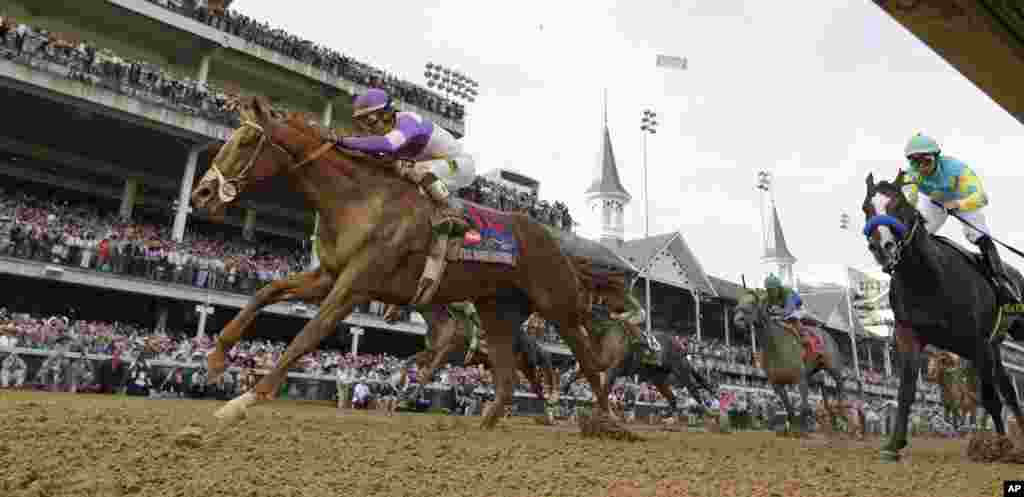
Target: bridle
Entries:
(902, 243)
(228, 189)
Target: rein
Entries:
(228, 188)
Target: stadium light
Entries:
(453, 83)
(648, 126)
(764, 180)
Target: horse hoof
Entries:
(234, 410)
(889, 456)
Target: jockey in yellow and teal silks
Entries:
(934, 178)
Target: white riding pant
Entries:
(457, 172)
(935, 216)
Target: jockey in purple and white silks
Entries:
(439, 164)
(426, 154)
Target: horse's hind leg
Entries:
(673, 403)
(989, 396)
(502, 325)
(1009, 396)
(310, 286)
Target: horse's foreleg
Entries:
(908, 350)
(310, 286)
(805, 405)
(780, 390)
(338, 304)
(551, 399)
(444, 340)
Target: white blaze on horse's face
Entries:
(887, 239)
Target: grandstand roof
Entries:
(984, 40)
(668, 259)
(725, 289)
(830, 307)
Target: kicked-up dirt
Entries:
(92, 445)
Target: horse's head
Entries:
(263, 146)
(891, 220)
(941, 362)
(750, 310)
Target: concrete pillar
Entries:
(887, 357)
(327, 117)
(356, 332)
(130, 193)
(314, 258)
(871, 359)
(204, 68)
(203, 310)
(725, 321)
(161, 318)
(249, 228)
(696, 302)
(187, 178)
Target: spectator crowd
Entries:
(326, 59)
(79, 60)
(81, 235)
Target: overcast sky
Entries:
(820, 93)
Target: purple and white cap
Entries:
(373, 100)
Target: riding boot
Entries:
(473, 346)
(438, 191)
(1008, 293)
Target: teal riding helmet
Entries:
(921, 144)
(772, 281)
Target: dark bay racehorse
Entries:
(752, 310)
(447, 334)
(623, 359)
(940, 296)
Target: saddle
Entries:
(974, 258)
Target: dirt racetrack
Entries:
(86, 445)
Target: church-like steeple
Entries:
(606, 197)
(775, 250)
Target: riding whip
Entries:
(952, 212)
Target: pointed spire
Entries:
(606, 173)
(775, 248)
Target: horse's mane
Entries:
(307, 124)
